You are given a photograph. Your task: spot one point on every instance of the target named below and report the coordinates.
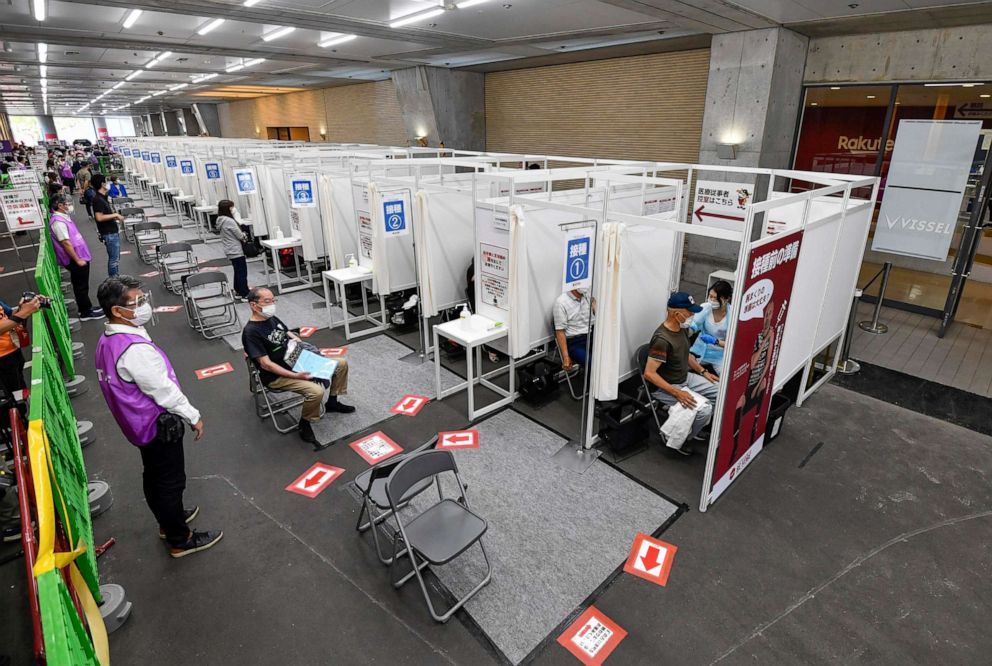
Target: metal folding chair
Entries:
(118, 202)
(556, 356)
(269, 403)
(132, 216)
(644, 392)
(372, 485)
(439, 534)
(147, 237)
(176, 260)
(210, 307)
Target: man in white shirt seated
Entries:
(573, 312)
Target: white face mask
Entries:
(714, 302)
(687, 323)
(268, 310)
(142, 315)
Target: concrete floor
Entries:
(874, 550)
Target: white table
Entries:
(168, 196)
(142, 182)
(341, 278)
(203, 214)
(472, 335)
(155, 190)
(185, 203)
(276, 244)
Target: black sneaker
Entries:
(11, 534)
(685, 451)
(306, 432)
(95, 313)
(339, 407)
(188, 516)
(197, 541)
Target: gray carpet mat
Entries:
(297, 309)
(554, 535)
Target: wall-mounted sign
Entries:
(213, 170)
(171, 162)
(186, 167)
(156, 158)
(146, 156)
(245, 179)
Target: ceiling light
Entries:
(968, 85)
(985, 96)
(157, 59)
(422, 15)
(835, 87)
(870, 96)
(178, 86)
(205, 77)
(42, 52)
(279, 32)
(117, 85)
(235, 68)
(334, 41)
(465, 4)
(251, 3)
(814, 104)
(210, 26)
(133, 75)
(256, 61)
(160, 92)
(44, 70)
(131, 18)
(39, 9)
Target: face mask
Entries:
(714, 302)
(142, 315)
(269, 310)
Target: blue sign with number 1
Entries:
(577, 261)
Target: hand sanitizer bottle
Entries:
(464, 315)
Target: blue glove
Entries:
(708, 339)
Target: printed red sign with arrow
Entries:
(376, 447)
(592, 637)
(650, 559)
(410, 405)
(149, 275)
(214, 370)
(333, 352)
(458, 439)
(307, 331)
(315, 480)
(168, 308)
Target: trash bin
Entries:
(776, 415)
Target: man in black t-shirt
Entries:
(266, 340)
(106, 223)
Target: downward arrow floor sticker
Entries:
(650, 559)
(315, 480)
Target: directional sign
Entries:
(21, 210)
(168, 308)
(214, 370)
(592, 637)
(213, 170)
(151, 274)
(171, 162)
(394, 217)
(409, 405)
(146, 156)
(458, 439)
(315, 480)
(375, 448)
(186, 167)
(578, 259)
(245, 179)
(333, 352)
(156, 158)
(301, 190)
(307, 331)
(650, 559)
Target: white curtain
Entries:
(332, 245)
(423, 229)
(519, 335)
(606, 342)
(380, 261)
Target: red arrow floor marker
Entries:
(214, 370)
(650, 559)
(307, 331)
(458, 439)
(592, 637)
(168, 308)
(410, 405)
(149, 275)
(375, 447)
(333, 352)
(315, 480)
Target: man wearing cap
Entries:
(72, 253)
(674, 371)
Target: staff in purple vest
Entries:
(143, 393)
(73, 253)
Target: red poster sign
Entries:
(767, 289)
(592, 637)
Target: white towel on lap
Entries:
(679, 423)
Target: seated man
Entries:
(573, 313)
(266, 340)
(673, 369)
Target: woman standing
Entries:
(712, 326)
(68, 178)
(232, 237)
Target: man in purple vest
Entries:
(143, 394)
(73, 253)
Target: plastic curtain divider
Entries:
(423, 228)
(519, 279)
(606, 343)
(380, 261)
(332, 244)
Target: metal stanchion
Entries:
(847, 365)
(874, 326)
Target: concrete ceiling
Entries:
(89, 51)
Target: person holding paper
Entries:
(267, 342)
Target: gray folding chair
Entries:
(372, 485)
(644, 394)
(176, 260)
(439, 534)
(557, 356)
(270, 403)
(132, 216)
(210, 307)
(148, 236)
(118, 202)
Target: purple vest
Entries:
(75, 239)
(134, 411)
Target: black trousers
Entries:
(164, 481)
(79, 276)
(12, 371)
(240, 265)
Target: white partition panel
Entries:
(343, 215)
(392, 245)
(274, 201)
(450, 239)
(844, 273)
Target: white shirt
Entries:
(572, 314)
(60, 230)
(144, 366)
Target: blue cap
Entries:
(681, 300)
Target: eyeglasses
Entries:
(137, 303)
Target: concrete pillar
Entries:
(100, 123)
(156, 125)
(206, 116)
(191, 123)
(753, 99)
(48, 131)
(171, 123)
(443, 106)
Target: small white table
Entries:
(156, 195)
(341, 278)
(203, 214)
(142, 182)
(472, 335)
(276, 244)
(168, 197)
(185, 203)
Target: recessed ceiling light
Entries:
(131, 18)
(415, 17)
(985, 96)
(835, 87)
(465, 4)
(814, 104)
(870, 96)
(337, 39)
(277, 33)
(250, 3)
(42, 52)
(210, 26)
(39, 9)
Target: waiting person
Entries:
(674, 371)
(83, 177)
(144, 396)
(11, 358)
(232, 236)
(106, 223)
(712, 326)
(117, 188)
(73, 253)
(757, 380)
(68, 177)
(266, 340)
(573, 312)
